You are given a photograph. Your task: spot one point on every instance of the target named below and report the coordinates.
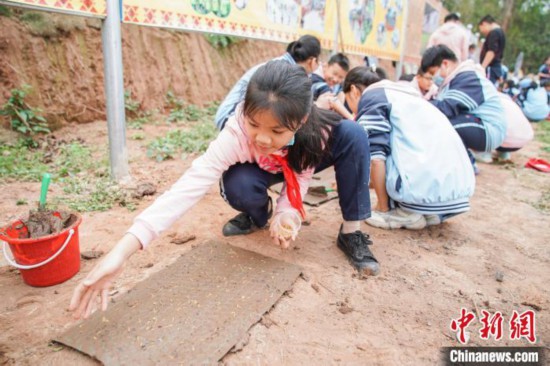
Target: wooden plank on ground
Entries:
(192, 312)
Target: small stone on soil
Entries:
(182, 239)
(91, 254)
(499, 276)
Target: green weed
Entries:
(23, 118)
(219, 41)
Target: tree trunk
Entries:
(507, 14)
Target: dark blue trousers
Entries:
(244, 186)
(471, 130)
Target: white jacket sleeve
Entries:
(205, 171)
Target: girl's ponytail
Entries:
(311, 141)
(304, 48)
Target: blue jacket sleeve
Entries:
(463, 95)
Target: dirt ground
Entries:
(401, 317)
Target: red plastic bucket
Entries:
(44, 261)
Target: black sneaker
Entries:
(356, 247)
(242, 224)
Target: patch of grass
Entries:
(138, 136)
(21, 202)
(83, 178)
(5, 11)
(180, 111)
(193, 140)
(22, 161)
(86, 193)
(74, 158)
(543, 204)
(131, 105)
(39, 25)
(543, 135)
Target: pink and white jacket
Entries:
(232, 146)
(454, 36)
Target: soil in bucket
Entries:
(45, 246)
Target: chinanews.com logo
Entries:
(519, 326)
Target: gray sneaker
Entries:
(396, 219)
(432, 220)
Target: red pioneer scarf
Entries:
(292, 186)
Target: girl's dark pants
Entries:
(244, 186)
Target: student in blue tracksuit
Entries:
(468, 99)
(533, 100)
(304, 52)
(420, 170)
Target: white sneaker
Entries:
(396, 219)
(432, 220)
(504, 155)
(484, 157)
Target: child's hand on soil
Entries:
(95, 287)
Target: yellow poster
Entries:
(372, 27)
(77, 7)
(276, 20)
(367, 27)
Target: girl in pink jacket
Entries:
(277, 134)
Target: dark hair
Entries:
(341, 60)
(285, 90)
(361, 77)
(435, 55)
(452, 17)
(305, 47)
(487, 19)
(406, 77)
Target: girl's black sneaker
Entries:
(242, 224)
(356, 247)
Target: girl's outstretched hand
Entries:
(284, 228)
(94, 289)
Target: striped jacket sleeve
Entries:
(464, 95)
(373, 116)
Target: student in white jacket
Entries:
(420, 169)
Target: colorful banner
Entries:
(276, 20)
(95, 8)
(368, 27)
(373, 27)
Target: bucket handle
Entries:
(32, 266)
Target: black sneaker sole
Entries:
(366, 268)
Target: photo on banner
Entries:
(372, 27)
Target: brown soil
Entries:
(43, 223)
(494, 258)
(64, 66)
(65, 69)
